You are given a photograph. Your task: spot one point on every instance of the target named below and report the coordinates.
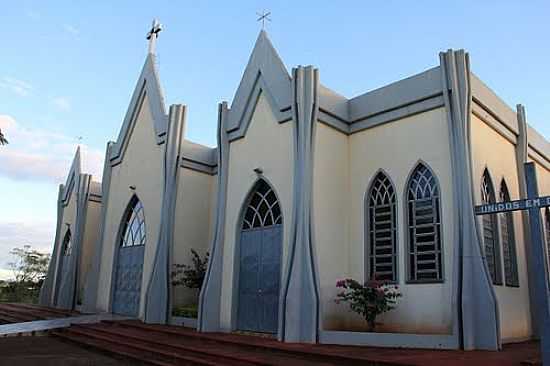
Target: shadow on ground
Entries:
(48, 351)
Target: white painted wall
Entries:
(491, 150)
(395, 147)
(142, 166)
(268, 145)
(192, 225)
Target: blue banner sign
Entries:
(492, 208)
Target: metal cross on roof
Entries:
(153, 34)
(263, 16)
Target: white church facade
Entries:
(307, 187)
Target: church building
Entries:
(305, 188)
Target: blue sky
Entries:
(68, 68)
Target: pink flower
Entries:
(340, 283)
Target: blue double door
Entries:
(259, 279)
(128, 278)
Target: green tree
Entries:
(29, 269)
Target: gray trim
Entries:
(476, 322)
(300, 301)
(483, 113)
(265, 64)
(198, 157)
(397, 113)
(436, 341)
(68, 289)
(258, 88)
(157, 298)
(89, 303)
(148, 83)
(48, 287)
(209, 298)
(391, 114)
(539, 267)
(521, 159)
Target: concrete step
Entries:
(149, 349)
(107, 347)
(306, 353)
(227, 353)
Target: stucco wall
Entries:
(142, 166)
(91, 231)
(491, 150)
(267, 144)
(192, 224)
(395, 147)
(331, 214)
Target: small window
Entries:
(133, 232)
(263, 208)
(67, 244)
(490, 231)
(382, 229)
(425, 262)
(507, 234)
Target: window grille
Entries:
(382, 229)
(263, 208)
(508, 241)
(425, 262)
(490, 230)
(134, 225)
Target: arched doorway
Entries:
(63, 267)
(129, 261)
(260, 250)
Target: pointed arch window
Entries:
(382, 229)
(133, 232)
(490, 230)
(507, 233)
(67, 244)
(263, 208)
(425, 262)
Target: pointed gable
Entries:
(265, 72)
(148, 85)
(72, 178)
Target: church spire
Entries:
(153, 34)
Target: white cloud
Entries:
(36, 154)
(72, 30)
(62, 103)
(19, 87)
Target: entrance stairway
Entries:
(165, 345)
(17, 313)
(169, 345)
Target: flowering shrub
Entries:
(370, 299)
